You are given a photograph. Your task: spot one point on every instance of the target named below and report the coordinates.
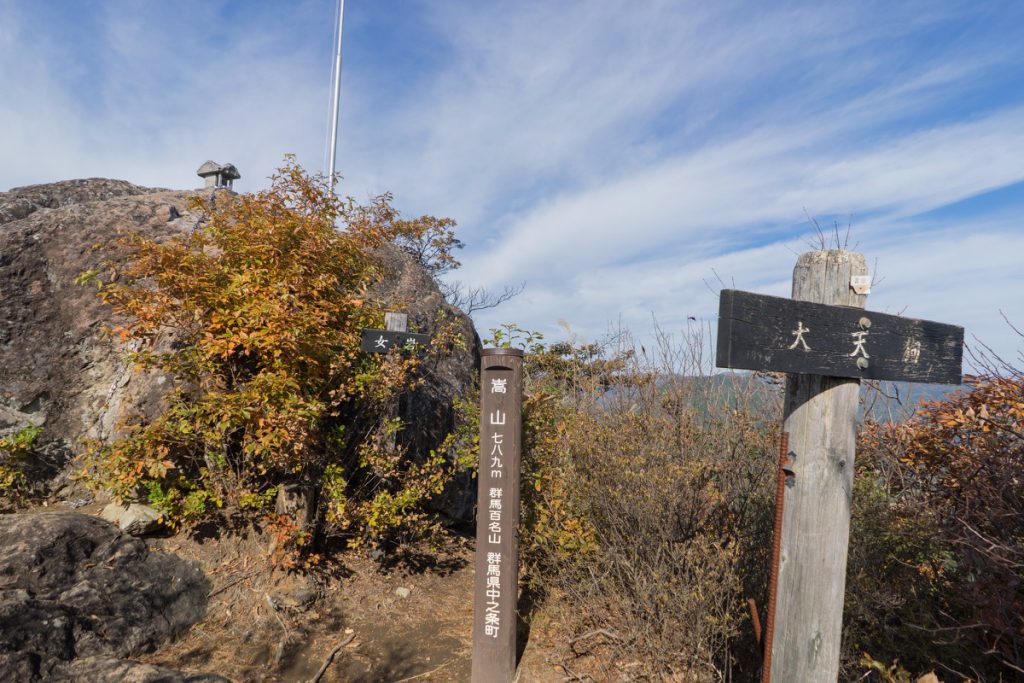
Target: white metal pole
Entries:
(337, 93)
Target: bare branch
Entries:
(822, 241)
(330, 657)
(469, 299)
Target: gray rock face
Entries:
(21, 201)
(73, 586)
(56, 369)
(408, 288)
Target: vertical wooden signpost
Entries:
(394, 336)
(496, 588)
(826, 342)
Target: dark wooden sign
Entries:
(757, 332)
(496, 589)
(382, 341)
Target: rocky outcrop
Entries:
(21, 201)
(409, 288)
(59, 371)
(73, 586)
(56, 368)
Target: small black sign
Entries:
(382, 341)
(757, 332)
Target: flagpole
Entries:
(337, 93)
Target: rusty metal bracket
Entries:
(786, 477)
(755, 619)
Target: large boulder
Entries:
(57, 368)
(73, 586)
(427, 411)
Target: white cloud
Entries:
(165, 88)
(705, 202)
(962, 275)
(614, 155)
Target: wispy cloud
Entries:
(148, 92)
(615, 155)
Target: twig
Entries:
(589, 634)
(330, 658)
(1019, 333)
(938, 629)
(954, 671)
(287, 635)
(229, 584)
(571, 675)
(755, 618)
(425, 673)
(595, 632)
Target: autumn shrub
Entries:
(898, 570)
(644, 480)
(256, 315)
(954, 475)
(15, 450)
(648, 494)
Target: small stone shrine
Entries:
(218, 175)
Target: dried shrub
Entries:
(265, 303)
(898, 570)
(646, 477)
(952, 483)
(648, 495)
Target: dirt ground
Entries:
(272, 626)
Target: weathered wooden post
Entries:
(827, 344)
(496, 586)
(820, 416)
(394, 336)
(396, 322)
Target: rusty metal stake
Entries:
(773, 581)
(755, 618)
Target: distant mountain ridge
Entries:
(889, 402)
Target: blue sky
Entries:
(618, 157)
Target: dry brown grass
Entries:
(663, 471)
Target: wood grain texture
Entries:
(820, 415)
(396, 322)
(393, 322)
(757, 332)
(496, 584)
